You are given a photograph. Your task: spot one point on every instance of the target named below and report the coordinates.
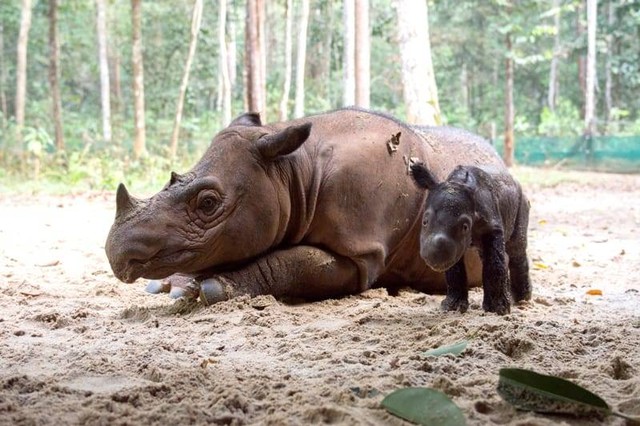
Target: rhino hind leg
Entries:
(303, 272)
(457, 292)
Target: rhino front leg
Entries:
(176, 285)
(301, 271)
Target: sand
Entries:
(79, 347)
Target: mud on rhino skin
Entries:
(312, 208)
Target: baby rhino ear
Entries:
(422, 176)
(469, 180)
(284, 142)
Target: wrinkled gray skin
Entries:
(482, 207)
(318, 207)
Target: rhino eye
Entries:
(208, 204)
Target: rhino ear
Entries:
(284, 142)
(247, 119)
(422, 176)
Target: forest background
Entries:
(97, 92)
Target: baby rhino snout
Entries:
(439, 251)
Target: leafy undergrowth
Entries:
(524, 389)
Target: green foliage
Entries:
(455, 349)
(563, 121)
(424, 406)
(528, 390)
(468, 52)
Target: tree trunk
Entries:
(301, 59)
(589, 109)
(115, 80)
(139, 142)
(196, 19)
(508, 107)
(418, 79)
(256, 91)
(3, 76)
(288, 48)
(232, 55)
(21, 64)
(608, 83)
(582, 60)
(105, 90)
(54, 61)
(552, 94)
(349, 95)
(224, 64)
(465, 88)
(362, 53)
(326, 57)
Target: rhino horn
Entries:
(124, 201)
(175, 177)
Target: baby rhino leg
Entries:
(495, 278)
(457, 292)
(518, 262)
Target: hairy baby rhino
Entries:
(484, 207)
(313, 208)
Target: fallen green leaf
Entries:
(424, 406)
(455, 349)
(528, 390)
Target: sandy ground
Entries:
(79, 347)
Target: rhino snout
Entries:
(439, 251)
(127, 252)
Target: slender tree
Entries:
(301, 59)
(54, 66)
(508, 104)
(589, 110)
(139, 142)
(349, 66)
(552, 93)
(224, 64)
(115, 82)
(418, 79)
(288, 48)
(3, 75)
(582, 60)
(196, 19)
(232, 53)
(608, 83)
(362, 60)
(255, 88)
(21, 64)
(105, 90)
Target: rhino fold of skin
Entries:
(317, 207)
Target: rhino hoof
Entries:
(177, 292)
(158, 286)
(212, 291)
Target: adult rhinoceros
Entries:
(317, 207)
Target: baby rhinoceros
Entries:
(479, 207)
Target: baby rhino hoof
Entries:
(212, 291)
(500, 307)
(454, 304)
